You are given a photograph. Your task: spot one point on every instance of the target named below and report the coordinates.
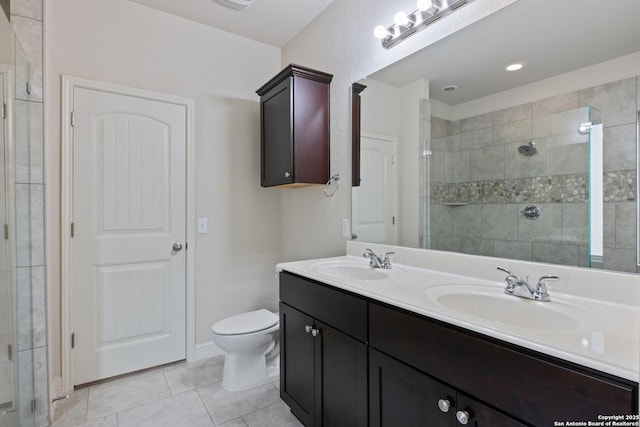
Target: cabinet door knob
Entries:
(287, 174)
(177, 247)
(462, 416)
(444, 405)
(315, 332)
(307, 328)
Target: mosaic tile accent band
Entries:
(619, 186)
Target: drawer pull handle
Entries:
(315, 332)
(462, 416)
(307, 328)
(444, 405)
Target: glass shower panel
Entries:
(638, 192)
(7, 300)
(16, 327)
(596, 188)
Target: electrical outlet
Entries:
(202, 226)
(345, 228)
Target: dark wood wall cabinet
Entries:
(356, 109)
(350, 361)
(294, 128)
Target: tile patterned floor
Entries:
(189, 395)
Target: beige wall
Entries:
(118, 41)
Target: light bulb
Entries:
(425, 5)
(380, 32)
(401, 19)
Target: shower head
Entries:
(528, 149)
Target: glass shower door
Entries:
(594, 127)
(16, 299)
(7, 299)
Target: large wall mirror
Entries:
(539, 164)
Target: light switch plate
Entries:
(345, 227)
(203, 227)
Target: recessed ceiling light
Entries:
(235, 4)
(514, 66)
(449, 88)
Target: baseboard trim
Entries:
(205, 351)
(55, 393)
(55, 390)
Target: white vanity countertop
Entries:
(605, 337)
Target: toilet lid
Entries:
(245, 323)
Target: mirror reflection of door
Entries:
(374, 201)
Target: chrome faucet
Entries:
(378, 261)
(520, 287)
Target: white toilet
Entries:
(252, 348)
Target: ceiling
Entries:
(273, 22)
(552, 37)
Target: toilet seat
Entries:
(245, 323)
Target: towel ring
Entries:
(327, 186)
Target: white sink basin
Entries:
(492, 304)
(351, 270)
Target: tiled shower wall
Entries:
(27, 22)
(480, 183)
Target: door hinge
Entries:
(72, 229)
(6, 232)
(393, 220)
(33, 406)
(393, 160)
(73, 340)
(73, 119)
(4, 111)
(9, 352)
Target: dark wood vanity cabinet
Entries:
(323, 362)
(374, 364)
(521, 384)
(402, 395)
(294, 128)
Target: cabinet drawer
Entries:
(536, 388)
(342, 310)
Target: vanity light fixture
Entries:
(405, 25)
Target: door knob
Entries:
(177, 247)
(315, 332)
(463, 417)
(444, 405)
(307, 328)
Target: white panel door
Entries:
(374, 201)
(129, 208)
